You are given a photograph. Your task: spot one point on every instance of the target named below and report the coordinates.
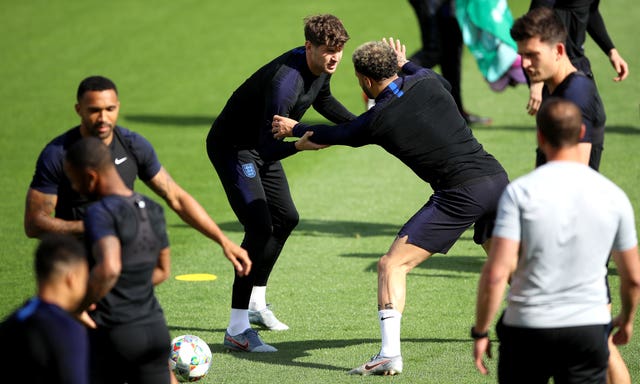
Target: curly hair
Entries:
(376, 60)
(542, 23)
(325, 29)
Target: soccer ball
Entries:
(190, 358)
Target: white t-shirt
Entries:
(567, 218)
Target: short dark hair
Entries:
(325, 29)
(376, 60)
(95, 83)
(89, 152)
(56, 251)
(540, 22)
(559, 122)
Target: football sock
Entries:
(258, 300)
(390, 330)
(238, 322)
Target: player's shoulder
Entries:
(579, 82)
(128, 134)
(59, 144)
(133, 140)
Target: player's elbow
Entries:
(31, 229)
(160, 275)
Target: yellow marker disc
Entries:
(197, 277)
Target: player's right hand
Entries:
(239, 257)
(480, 348)
(535, 97)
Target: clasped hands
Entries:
(282, 127)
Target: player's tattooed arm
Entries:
(38, 216)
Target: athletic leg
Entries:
(284, 217)
(429, 55)
(239, 173)
(392, 273)
(617, 372)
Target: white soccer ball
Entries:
(190, 358)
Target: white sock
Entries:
(258, 300)
(390, 330)
(238, 322)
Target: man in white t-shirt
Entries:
(555, 230)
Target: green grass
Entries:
(176, 63)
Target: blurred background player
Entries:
(42, 340)
(247, 160)
(442, 45)
(125, 231)
(540, 36)
(551, 245)
(435, 142)
(579, 18)
(52, 206)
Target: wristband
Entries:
(476, 336)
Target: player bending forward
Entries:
(415, 119)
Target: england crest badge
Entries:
(249, 170)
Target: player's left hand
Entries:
(305, 143)
(619, 65)
(282, 126)
(399, 48)
(480, 348)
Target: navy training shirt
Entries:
(286, 87)
(416, 119)
(44, 344)
(138, 222)
(133, 156)
(582, 91)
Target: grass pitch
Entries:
(175, 64)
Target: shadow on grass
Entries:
(172, 120)
(185, 120)
(199, 120)
(339, 228)
(615, 129)
(467, 264)
(291, 351)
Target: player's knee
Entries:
(292, 219)
(286, 223)
(393, 263)
(258, 233)
(387, 263)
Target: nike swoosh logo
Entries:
(370, 367)
(244, 345)
(120, 161)
(385, 318)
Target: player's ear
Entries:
(92, 179)
(583, 131)
(307, 46)
(540, 138)
(560, 50)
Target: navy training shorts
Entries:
(451, 211)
